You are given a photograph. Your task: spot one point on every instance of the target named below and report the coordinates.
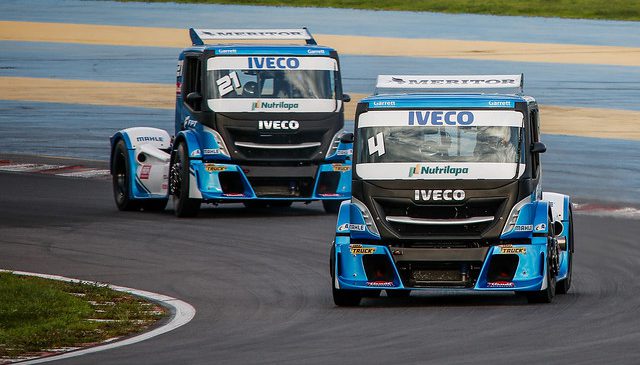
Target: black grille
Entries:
(474, 207)
(240, 135)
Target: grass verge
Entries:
(38, 316)
(581, 9)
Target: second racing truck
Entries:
(254, 123)
(447, 194)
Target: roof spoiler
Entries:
(198, 36)
(450, 82)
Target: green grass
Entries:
(586, 9)
(38, 314)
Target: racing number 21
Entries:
(228, 83)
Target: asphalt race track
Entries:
(260, 283)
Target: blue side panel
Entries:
(191, 139)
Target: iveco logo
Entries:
(278, 124)
(439, 195)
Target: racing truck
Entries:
(446, 194)
(258, 120)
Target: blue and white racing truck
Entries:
(254, 123)
(447, 194)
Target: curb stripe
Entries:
(183, 313)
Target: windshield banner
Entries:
(419, 118)
(437, 171)
(274, 105)
(272, 63)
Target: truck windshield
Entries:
(271, 84)
(494, 144)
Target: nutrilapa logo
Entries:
(273, 105)
(438, 170)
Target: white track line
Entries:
(183, 313)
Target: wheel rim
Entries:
(121, 178)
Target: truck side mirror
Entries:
(346, 98)
(346, 138)
(194, 97)
(538, 147)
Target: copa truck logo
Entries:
(440, 118)
(448, 195)
(273, 63)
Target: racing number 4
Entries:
(376, 144)
(228, 83)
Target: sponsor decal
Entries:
(452, 82)
(512, 250)
(345, 152)
(500, 103)
(149, 139)
(278, 124)
(214, 168)
(384, 103)
(315, 51)
(144, 172)
(340, 168)
(273, 62)
(541, 227)
(227, 51)
(438, 170)
(195, 152)
(440, 118)
(427, 195)
(273, 105)
(211, 151)
(500, 284)
(376, 144)
(254, 33)
(523, 228)
(189, 123)
(359, 250)
(351, 227)
(380, 283)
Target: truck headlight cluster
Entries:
(366, 214)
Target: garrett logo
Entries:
(427, 195)
(278, 124)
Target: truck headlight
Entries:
(512, 218)
(335, 143)
(366, 214)
(220, 142)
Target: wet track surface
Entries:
(260, 283)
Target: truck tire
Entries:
(180, 179)
(565, 284)
(121, 178)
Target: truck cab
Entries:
(447, 193)
(257, 123)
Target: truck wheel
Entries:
(565, 284)
(331, 206)
(342, 298)
(179, 179)
(122, 178)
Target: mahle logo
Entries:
(438, 170)
(273, 105)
